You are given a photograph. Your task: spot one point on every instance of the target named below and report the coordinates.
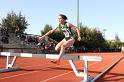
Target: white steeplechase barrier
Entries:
(71, 58)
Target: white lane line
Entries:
(56, 76)
(28, 72)
(18, 75)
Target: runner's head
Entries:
(62, 18)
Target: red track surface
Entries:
(42, 70)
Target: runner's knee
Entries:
(63, 46)
(57, 48)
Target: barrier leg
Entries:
(87, 78)
(77, 73)
(9, 65)
(84, 74)
(85, 71)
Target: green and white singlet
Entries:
(66, 30)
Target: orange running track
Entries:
(42, 70)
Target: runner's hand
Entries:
(40, 38)
(79, 38)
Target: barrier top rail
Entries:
(54, 56)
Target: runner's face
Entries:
(61, 20)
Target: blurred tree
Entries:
(14, 21)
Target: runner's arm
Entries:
(48, 33)
(77, 30)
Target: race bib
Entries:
(66, 34)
